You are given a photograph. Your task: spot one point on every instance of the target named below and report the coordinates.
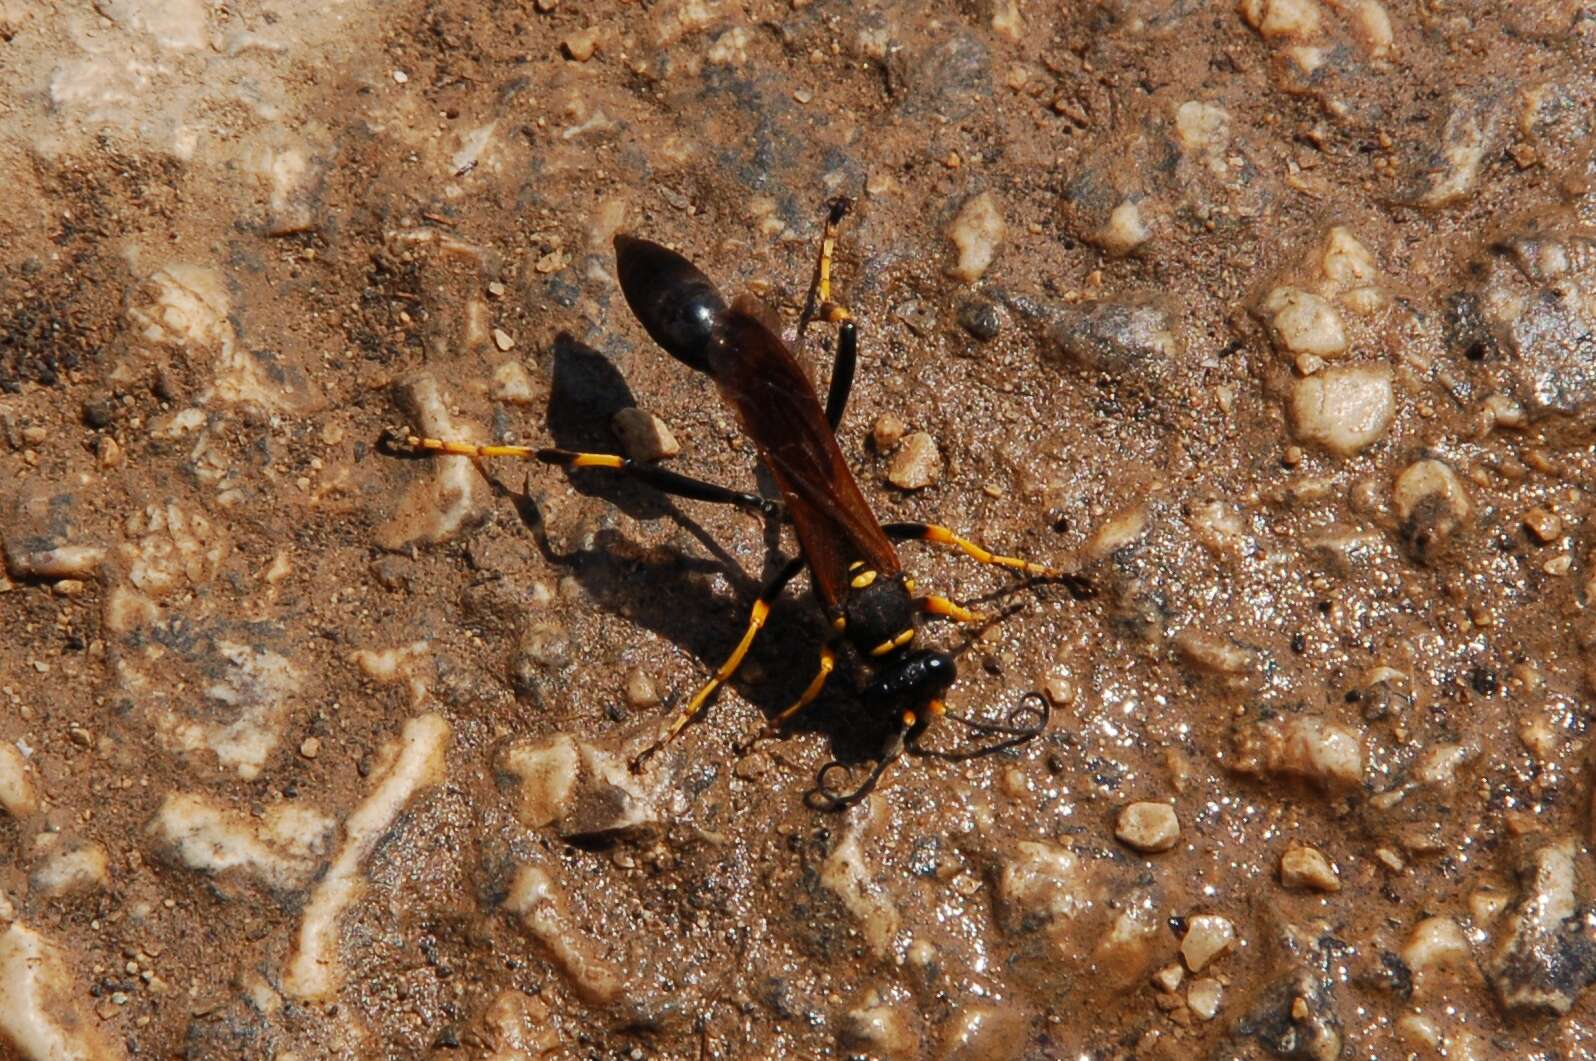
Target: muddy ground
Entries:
(1276, 321)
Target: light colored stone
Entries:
(887, 432)
(1203, 130)
(1040, 882)
(1372, 23)
(1344, 409)
(1302, 746)
(1125, 230)
(512, 384)
(41, 1016)
(1304, 323)
(1169, 977)
(71, 869)
(19, 797)
(1544, 524)
(1214, 653)
(1203, 997)
(916, 464)
(976, 233)
(881, 1029)
(1207, 937)
(1283, 19)
(1437, 944)
(1307, 868)
(579, 45)
(1148, 827)
(541, 905)
(644, 436)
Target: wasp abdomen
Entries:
(676, 303)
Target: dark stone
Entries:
(98, 411)
(980, 317)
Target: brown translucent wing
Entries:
(776, 403)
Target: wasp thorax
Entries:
(878, 611)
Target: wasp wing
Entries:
(778, 409)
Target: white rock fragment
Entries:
(187, 306)
(19, 797)
(70, 868)
(1148, 826)
(976, 233)
(1203, 997)
(547, 770)
(450, 495)
(1456, 169)
(1304, 323)
(1207, 936)
(1040, 883)
(916, 464)
(281, 850)
(543, 910)
(1436, 945)
(172, 547)
(880, 1029)
(1306, 868)
(293, 181)
(40, 1014)
(518, 1025)
(1125, 230)
(1123, 953)
(1117, 532)
(847, 875)
(1214, 653)
(1344, 409)
(644, 436)
(240, 714)
(411, 664)
(1543, 957)
(1432, 504)
(1203, 130)
(1301, 746)
(62, 561)
(730, 48)
(1372, 23)
(315, 970)
(512, 384)
(1282, 19)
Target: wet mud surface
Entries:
(1275, 320)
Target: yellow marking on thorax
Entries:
(897, 642)
(863, 579)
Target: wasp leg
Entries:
(930, 532)
(666, 482)
(821, 306)
(935, 605)
(828, 663)
(662, 479)
(756, 621)
(842, 369)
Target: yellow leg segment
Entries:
(930, 532)
(828, 663)
(935, 605)
(830, 312)
(756, 621)
(472, 449)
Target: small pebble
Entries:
(644, 436)
(1543, 523)
(640, 689)
(501, 339)
(1203, 997)
(980, 317)
(310, 747)
(887, 432)
(580, 45)
(1169, 977)
(1207, 936)
(1306, 868)
(1149, 827)
(917, 464)
(512, 384)
(545, 6)
(976, 233)
(1304, 323)
(1343, 409)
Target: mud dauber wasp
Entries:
(854, 567)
